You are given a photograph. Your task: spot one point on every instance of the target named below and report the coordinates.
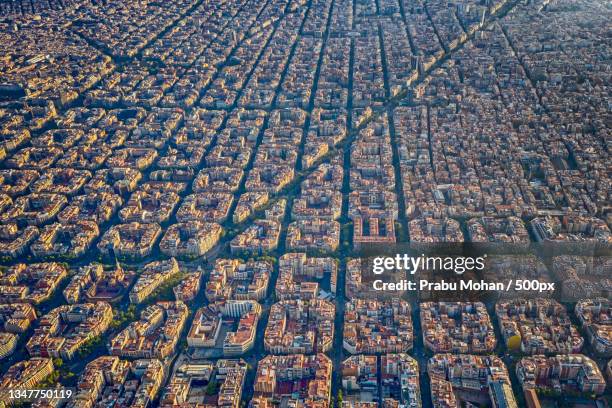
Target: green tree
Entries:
(211, 388)
(58, 362)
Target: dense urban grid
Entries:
(185, 187)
